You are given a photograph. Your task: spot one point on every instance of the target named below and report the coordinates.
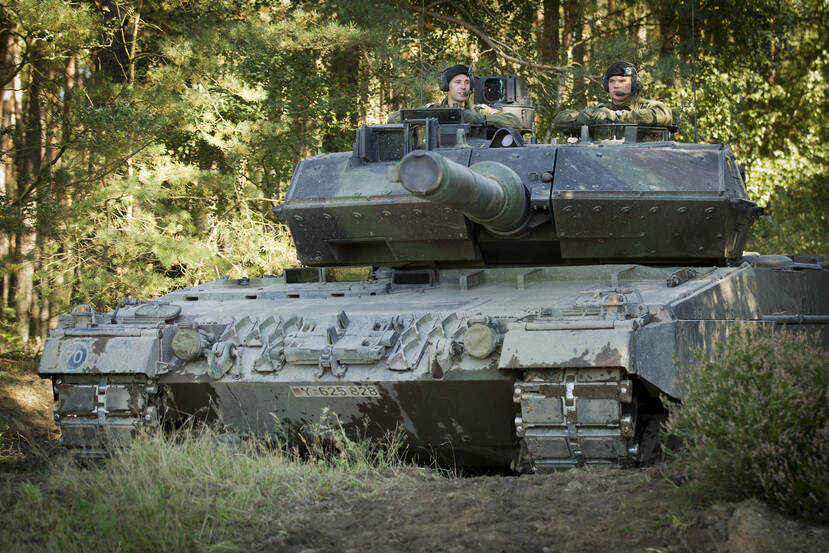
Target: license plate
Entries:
(339, 390)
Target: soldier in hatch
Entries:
(456, 81)
(622, 83)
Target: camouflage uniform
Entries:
(476, 115)
(633, 110)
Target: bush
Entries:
(754, 421)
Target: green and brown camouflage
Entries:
(514, 305)
(597, 201)
(635, 110)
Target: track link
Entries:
(573, 417)
(95, 412)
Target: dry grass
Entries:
(195, 491)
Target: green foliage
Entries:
(169, 180)
(9, 339)
(754, 421)
(52, 28)
(167, 177)
(786, 155)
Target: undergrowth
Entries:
(16, 358)
(754, 422)
(191, 491)
(22, 430)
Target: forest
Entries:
(144, 143)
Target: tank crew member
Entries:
(626, 106)
(456, 81)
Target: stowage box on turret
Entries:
(514, 304)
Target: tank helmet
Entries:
(451, 72)
(622, 69)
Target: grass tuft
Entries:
(192, 491)
(754, 422)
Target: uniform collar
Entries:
(445, 103)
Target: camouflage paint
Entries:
(557, 358)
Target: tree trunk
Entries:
(549, 42)
(572, 41)
(343, 73)
(47, 198)
(61, 291)
(29, 165)
(8, 55)
(667, 15)
(116, 60)
(569, 23)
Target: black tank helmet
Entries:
(451, 72)
(622, 69)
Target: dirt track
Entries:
(604, 510)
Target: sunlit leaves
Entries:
(169, 179)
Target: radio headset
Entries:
(634, 85)
(444, 82)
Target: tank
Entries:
(503, 303)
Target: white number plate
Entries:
(339, 390)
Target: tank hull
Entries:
(434, 417)
(534, 368)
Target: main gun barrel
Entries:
(489, 193)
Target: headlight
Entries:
(187, 344)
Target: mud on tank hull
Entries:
(534, 368)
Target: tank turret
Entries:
(424, 192)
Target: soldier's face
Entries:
(620, 88)
(459, 89)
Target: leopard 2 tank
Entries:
(503, 303)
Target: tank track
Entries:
(569, 417)
(572, 417)
(95, 412)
